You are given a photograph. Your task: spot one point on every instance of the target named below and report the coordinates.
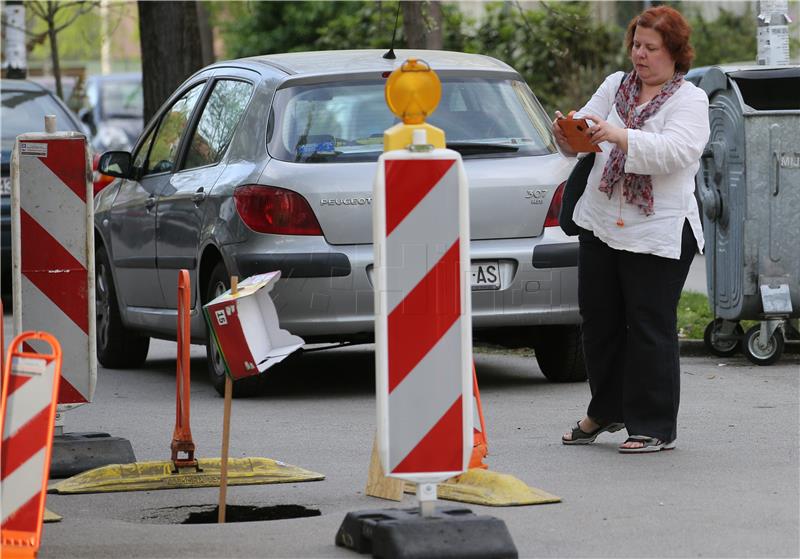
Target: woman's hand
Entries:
(561, 139)
(604, 131)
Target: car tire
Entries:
(559, 352)
(117, 346)
(218, 283)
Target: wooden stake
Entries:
(226, 432)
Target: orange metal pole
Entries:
(182, 435)
(2, 340)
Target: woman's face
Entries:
(650, 57)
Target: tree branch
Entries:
(37, 9)
(84, 8)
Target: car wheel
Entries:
(218, 283)
(559, 352)
(117, 347)
(762, 354)
(721, 348)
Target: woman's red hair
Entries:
(674, 31)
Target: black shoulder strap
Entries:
(625, 75)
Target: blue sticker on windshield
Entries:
(311, 149)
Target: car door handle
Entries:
(150, 202)
(199, 196)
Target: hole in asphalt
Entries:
(208, 514)
(241, 513)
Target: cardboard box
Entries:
(246, 330)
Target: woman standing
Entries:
(640, 230)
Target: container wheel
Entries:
(721, 348)
(760, 354)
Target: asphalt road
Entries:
(730, 489)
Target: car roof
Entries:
(22, 85)
(366, 60)
(120, 77)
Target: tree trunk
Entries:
(206, 34)
(433, 39)
(171, 49)
(422, 24)
(53, 36)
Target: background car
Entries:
(113, 105)
(72, 87)
(24, 106)
(267, 163)
(113, 110)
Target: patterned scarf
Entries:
(637, 189)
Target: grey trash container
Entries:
(749, 191)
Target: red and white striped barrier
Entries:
(423, 323)
(53, 252)
(27, 414)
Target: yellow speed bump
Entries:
(485, 487)
(50, 516)
(148, 476)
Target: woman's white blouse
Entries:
(668, 148)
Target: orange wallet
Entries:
(577, 132)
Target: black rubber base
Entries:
(74, 453)
(452, 533)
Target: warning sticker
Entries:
(27, 365)
(33, 148)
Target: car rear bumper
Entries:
(326, 292)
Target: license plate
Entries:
(485, 276)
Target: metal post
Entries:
(426, 493)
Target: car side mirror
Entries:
(116, 164)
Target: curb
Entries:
(693, 348)
(696, 348)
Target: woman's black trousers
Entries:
(628, 302)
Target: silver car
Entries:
(267, 163)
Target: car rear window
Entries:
(345, 121)
(24, 111)
(122, 99)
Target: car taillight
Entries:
(555, 207)
(268, 209)
(99, 180)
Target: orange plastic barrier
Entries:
(27, 417)
(480, 445)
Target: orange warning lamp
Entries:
(412, 93)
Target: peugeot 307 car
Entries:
(267, 163)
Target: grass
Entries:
(694, 315)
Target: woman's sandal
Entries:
(579, 436)
(649, 444)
